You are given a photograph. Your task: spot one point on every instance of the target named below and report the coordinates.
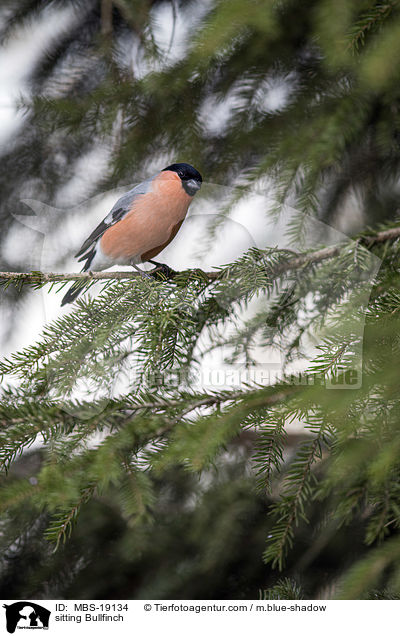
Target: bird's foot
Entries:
(162, 271)
(140, 271)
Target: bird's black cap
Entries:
(185, 171)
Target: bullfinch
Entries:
(141, 223)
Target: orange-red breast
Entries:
(141, 223)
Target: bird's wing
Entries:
(117, 212)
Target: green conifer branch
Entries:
(39, 279)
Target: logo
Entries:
(26, 615)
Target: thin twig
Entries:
(106, 17)
(51, 277)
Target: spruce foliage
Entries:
(130, 448)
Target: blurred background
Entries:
(291, 112)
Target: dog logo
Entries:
(26, 615)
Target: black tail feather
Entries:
(72, 293)
(77, 287)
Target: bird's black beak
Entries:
(191, 186)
